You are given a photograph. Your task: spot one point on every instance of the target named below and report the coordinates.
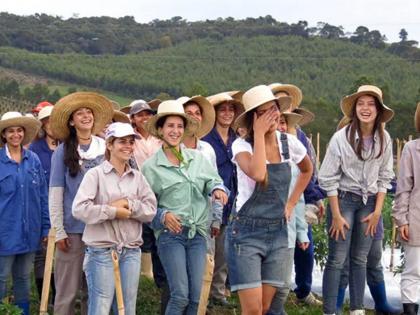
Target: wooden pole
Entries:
(118, 287)
(317, 149)
(205, 288)
(43, 307)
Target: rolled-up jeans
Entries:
(20, 267)
(183, 260)
(356, 245)
(99, 270)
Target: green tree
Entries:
(403, 35)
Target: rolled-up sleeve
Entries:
(405, 184)
(330, 172)
(144, 207)
(84, 207)
(386, 172)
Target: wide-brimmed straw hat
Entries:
(292, 90)
(171, 108)
(257, 96)
(307, 116)
(207, 112)
(343, 122)
(225, 97)
(349, 101)
(101, 107)
(417, 118)
(154, 104)
(237, 95)
(119, 116)
(292, 119)
(16, 119)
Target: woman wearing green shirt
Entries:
(182, 182)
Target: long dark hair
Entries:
(71, 155)
(354, 127)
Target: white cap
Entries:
(45, 112)
(119, 130)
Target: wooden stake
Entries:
(317, 149)
(43, 308)
(118, 287)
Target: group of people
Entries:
(227, 183)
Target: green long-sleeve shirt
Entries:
(183, 189)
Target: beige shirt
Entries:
(406, 209)
(145, 148)
(100, 186)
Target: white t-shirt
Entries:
(246, 185)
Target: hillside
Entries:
(324, 69)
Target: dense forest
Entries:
(175, 57)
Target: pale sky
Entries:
(387, 16)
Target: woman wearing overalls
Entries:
(356, 173)
(259, 258)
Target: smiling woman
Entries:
(24, 219)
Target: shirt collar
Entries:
(375, 136)
(162, 160)
(5, 154)
(108, 167)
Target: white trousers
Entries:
(410, 277)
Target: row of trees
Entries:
(106, 35)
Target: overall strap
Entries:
(284, 146)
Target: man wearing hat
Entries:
(304, 258)
(24, 219)
(221, 137)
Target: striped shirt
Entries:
(343, 170)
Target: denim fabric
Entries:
(99, 270)
(304, 265)
(184, 261)
(356, 245)
(374, 268)
(20, 267)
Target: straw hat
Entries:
(343, 122)
(307, 116)
(115, 105)
(154, 104)
(171, 108)
(207, 112)
(292, 119)
(101, 107)
(15, 119)
(417, 118)
(257, 96)
(237, 95)
(225, 97)
(45, 112)
(292, 90)
(119, 116)
(349, 101)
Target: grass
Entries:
(148, 302)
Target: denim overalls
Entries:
(256, 244)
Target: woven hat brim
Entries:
(292, 119)
(154, 104)
(208, 116)
(294, 92)
(31, 126)
(101, 107)
(307, 116)
(417, 118)
(349, 101)
(283, 102)
(126, 109)
(343, 122)
(189, 130)
(119, 116)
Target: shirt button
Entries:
(21, 186)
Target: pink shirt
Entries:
(145, 148)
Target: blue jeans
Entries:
(356, 245)
(304, 265)
(99, 270)
(20, 267)
(183, 260)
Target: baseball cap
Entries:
(138, 106)
(119, 130)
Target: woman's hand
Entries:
(263, 123)
(63, 245)
(123, 213)
(172, 222)
(403, 229)
(220, 195)
(303, 246)
(288, 210)
(120, 203)
(372, 222)
(338, 226)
